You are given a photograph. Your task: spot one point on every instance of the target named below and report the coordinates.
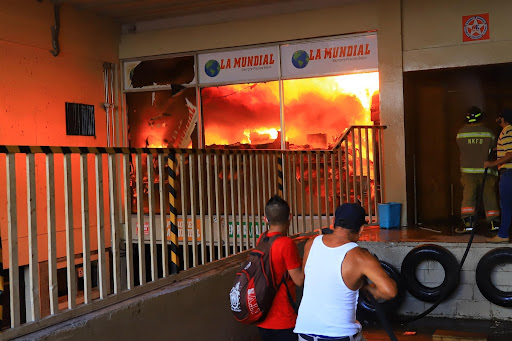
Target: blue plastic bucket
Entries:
(389, 215)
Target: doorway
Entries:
(436, 102)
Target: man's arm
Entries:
(500, 161)
(297, 276)
(382, 287)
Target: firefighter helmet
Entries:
(474, 114)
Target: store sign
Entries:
(243, 66)
(181, 229)
(330, 57)
(475, 27)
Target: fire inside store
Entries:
(317, 106)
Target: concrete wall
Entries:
(432, 34)
(467, 301)
(196, 308)
(361, 16)
(33, 90)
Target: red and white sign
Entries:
(146, 228)
(475, 27)
(241, 66)
(330, 57)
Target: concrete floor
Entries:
(424, 233)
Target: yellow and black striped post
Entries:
(171, 163)
(280, 176)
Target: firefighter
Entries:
(475, 142)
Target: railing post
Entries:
(171, 163)
(12, 225)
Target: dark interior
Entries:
(436, 102)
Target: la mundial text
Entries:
(268, 59)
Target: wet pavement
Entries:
(424, 233)
(430, 328)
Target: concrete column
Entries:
(392, 101)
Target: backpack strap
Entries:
(290, 298)
(270, 240)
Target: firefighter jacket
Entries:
(475, 143)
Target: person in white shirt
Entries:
(335, 269)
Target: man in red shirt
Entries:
(284, 257)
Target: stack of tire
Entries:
(408, 280)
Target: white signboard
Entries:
(330, 57)
(242, 66)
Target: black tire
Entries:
(435, 253)
(486, 265)
(366, 310)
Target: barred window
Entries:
(80, 119)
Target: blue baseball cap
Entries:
(350, 216)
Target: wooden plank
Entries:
(70, 241)
(183, 186)
(274, 174)
(217, 206)
(239, 191)
(201, 207)
(375, 165)
(12, 226)
(361, 190)
(114, 223)
(253, 215)
(246, 202)
(368, 184)
(347, 168)
(333, 169)
(210, 206)
(269, 184)
(302, 192)
(140, 219)
(232, 186)
(310, 183)
(128, 222)
(86, 235)
(265, 184)
(381, 194)
(195, 260)
(35, 313)
(100, 228)
(225, 202)
(258, 202)
(340, 176)
(354, 166)
(163, 215)
(326, 184)
(152, 224)
(52, 238)
(318, 189)
(293, 169)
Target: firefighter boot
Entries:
(495, 225)
(469, 224)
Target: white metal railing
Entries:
(114, 219)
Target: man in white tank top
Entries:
(335, 268)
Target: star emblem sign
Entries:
(475, 27)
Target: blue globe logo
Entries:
(212, 68)
(300, 59)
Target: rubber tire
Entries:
(365, 309)
(484, 269)
(436, 253)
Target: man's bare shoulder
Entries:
(359, 255)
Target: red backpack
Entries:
(253, 289)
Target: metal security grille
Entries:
(80, 119)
